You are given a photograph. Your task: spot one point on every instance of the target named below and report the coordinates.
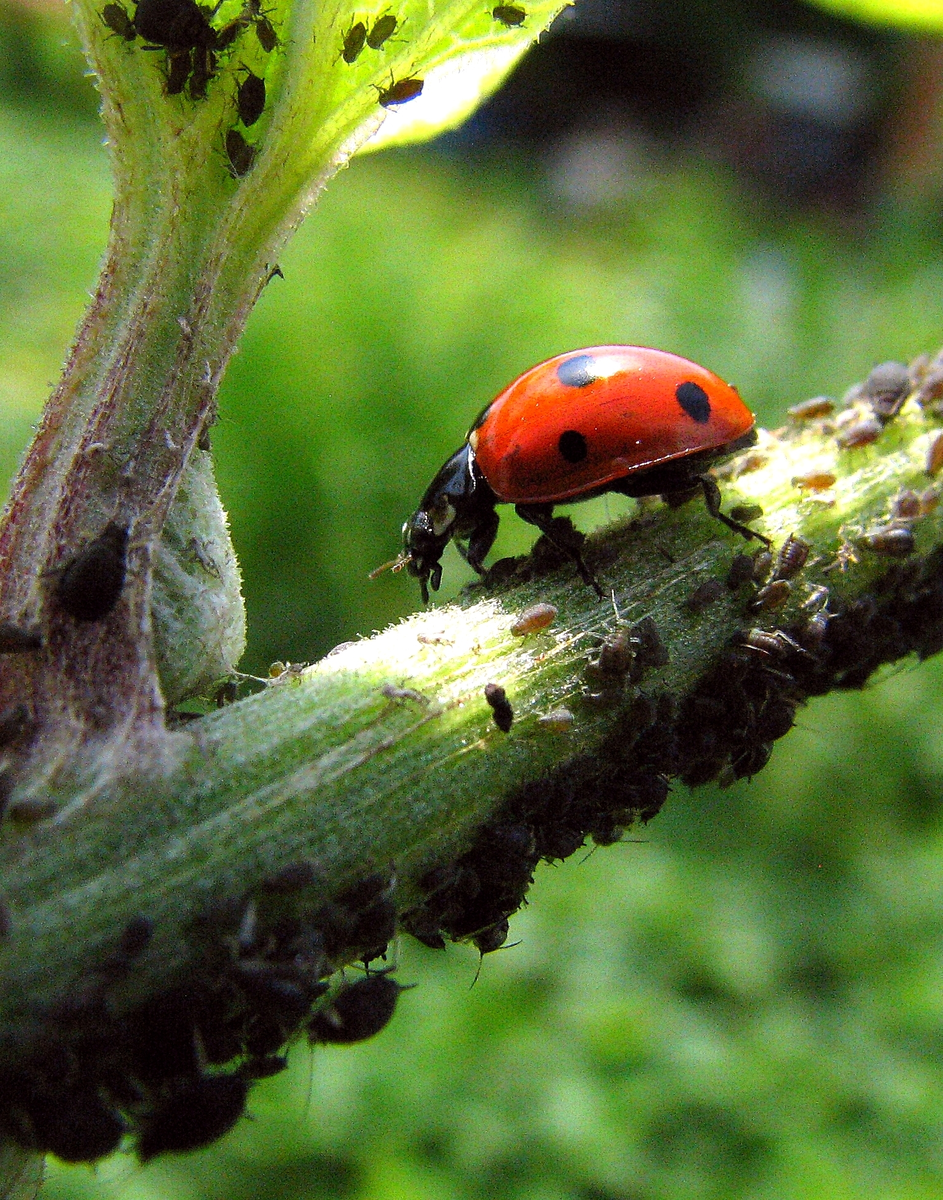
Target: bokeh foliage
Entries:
(747, 1004)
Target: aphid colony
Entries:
(183, 29)
(174, 1073)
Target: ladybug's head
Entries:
(448, 510)
(423, 549)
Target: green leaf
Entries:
(465, 62)
(908, 14)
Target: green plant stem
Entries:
(339, 764)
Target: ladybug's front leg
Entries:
(569, 543)
(712, 501)
(480, 541)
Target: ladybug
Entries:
(621, 419)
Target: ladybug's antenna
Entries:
(395, 564)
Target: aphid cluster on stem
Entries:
(184, 30)
(173, 1073)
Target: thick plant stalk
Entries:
(385, 760)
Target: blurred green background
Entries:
(749, 1002)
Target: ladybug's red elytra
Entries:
(624, 419)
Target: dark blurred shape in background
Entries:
(802, 104)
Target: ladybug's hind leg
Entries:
(712, 500)
(541, 515)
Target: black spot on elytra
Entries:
(695, 401)
(572, 446)
(578, 371)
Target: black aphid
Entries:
(91, 582)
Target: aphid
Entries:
(16, 640)
(354, 40)
(135, 938)
(773, 643)
(704, 595)
(358, 1011)
(263, 1066)
(762, 565)
(650, 650)
(816, 599)
(383, 28)
(240, 154)
(860, 433)
(501, 711)
(558, 841)
(533, 619)
(13, 722)
(773, 595)
(265, 32)
(775, 720)
(906, 506)
(74, 1123)
(616, 655)
(509, 14)
(746, 512)
(492, 938)
(118, 20)
(392, 692)
(818, 406)
(293, 877)
(558, 720)
(741, 571)
(931, 386)
(754, 461)
(606, 419)
(751, 760)
(250, 99)
(32, 810)
(893, 541)
(813, 634)
(792, 557)
(90, 584)
(887, 387)
(192, 1112)
(361, 920)
(814, 481)
(180, 24)
(935, 456)
(400, 92)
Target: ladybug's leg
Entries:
(541, 515)
(712, 501)
(480, 541)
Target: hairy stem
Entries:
(386, 753)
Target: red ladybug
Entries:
(607, 419)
